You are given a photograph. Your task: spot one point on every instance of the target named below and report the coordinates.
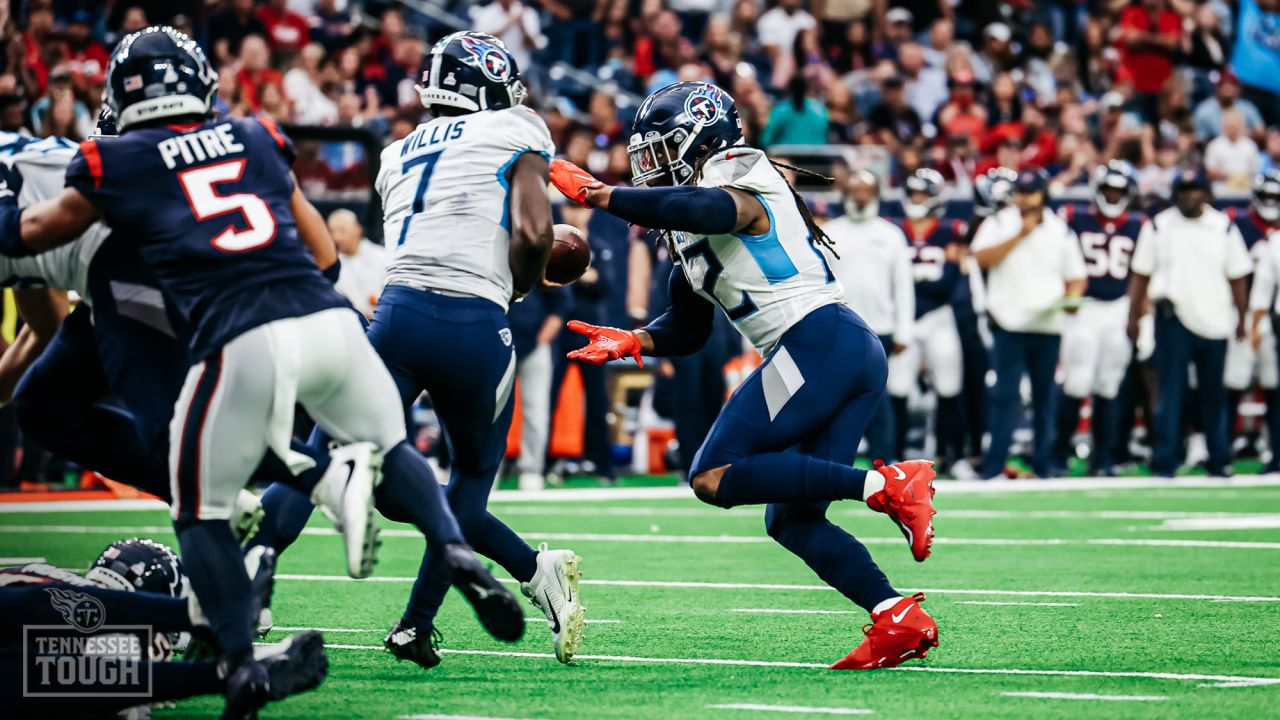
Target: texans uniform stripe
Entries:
(188, 497)
(89, 148)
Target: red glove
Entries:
(606, 343)
(573, 181)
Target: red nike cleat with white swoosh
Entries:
(903, 632)
(907, 498)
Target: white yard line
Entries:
(779, 586)
(1019, 604)
(853, 509)
(632, 538)
(20, 560)
(1240, 522)
(437, 716)
(792, 709)
(1205, 680)
(785, 611)
(947, 487)
(1086, 696)
(286, 628)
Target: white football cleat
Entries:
(554, 591)
(345, 494)
(246, 516)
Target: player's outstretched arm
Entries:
(683, 329)
(42, 312)
(45, 225)
(531, 226)
(706, 211)
(313, 232)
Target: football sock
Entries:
(409, 493)
(836, 556)
(1102, 426)
(216, 568)
(872, 484)
(949, 433)
(885, 604)
(784, 477)
(501, 544)
(1233, 410)
(285, 512)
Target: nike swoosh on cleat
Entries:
(555, 620)
(897, 618)
(898, 470)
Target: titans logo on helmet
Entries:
(491, 60)
(705, 106)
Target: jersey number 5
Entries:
(198, 184)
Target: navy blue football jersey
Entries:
(1252, 227)
(935, 276)
(1107, 245)
(207, 206)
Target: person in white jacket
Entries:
(872, 262)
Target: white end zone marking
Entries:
(1085, 696)
(792, 709)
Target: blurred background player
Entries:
(745, 242)
(1193, 264)
(933, 346)
(1095, 346)
(1247, 363)
(1264, 306)
(536, 322)
(1034, 272)
(874, 266)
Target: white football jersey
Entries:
(445, 194)
(764, 283)
(43, 166)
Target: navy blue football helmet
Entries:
(931, 184)
(468, 72)
(158, 72)
(676, 128)
(140, 565)
(993, 190)
(1266, 195)
(1115, 175)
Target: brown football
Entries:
(570, 255)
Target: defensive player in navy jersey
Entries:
(744, 242)
(214, 211)
(935, 246)
(1245, 363)
(1095, 348)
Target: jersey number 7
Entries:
(202, 196)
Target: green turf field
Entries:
(1155, 603)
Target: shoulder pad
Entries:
(730, 165)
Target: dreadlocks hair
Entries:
(816, 234)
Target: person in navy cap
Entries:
(1192, 263)
(1035, 272)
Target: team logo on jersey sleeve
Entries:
(705, 106)
(491, 60)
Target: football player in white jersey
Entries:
(744, 241)
(468, 226)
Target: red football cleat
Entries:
(907, 498)
(902, 632)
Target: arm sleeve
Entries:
(1264, 280)
(706, 211)
(1144, 253)
(1239, 264)
(686, 324)
(904, 294)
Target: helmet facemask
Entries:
(658, 160)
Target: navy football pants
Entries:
(814, 395)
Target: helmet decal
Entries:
(705, 106)
(491, 60)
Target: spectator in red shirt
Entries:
(254, 73)
(961, 116)
(1150, 34)
(87, 59)
(285, 29)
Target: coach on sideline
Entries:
(1192, 261)
(874, 266)
(1034, 271)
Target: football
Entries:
(570, 255)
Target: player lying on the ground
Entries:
(213, 209)
(743, 240)
(139, 582)
(465, 194)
